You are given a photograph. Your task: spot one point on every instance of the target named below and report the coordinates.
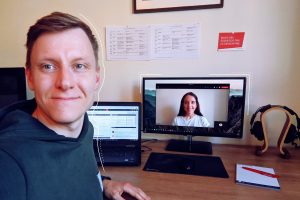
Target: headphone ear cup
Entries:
(291, 135)
(257, 130)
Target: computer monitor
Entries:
(221, 107)
(12, 85)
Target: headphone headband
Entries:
(263, 109)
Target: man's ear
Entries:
(97, 78)
(29, 78)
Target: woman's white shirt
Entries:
(196, 120)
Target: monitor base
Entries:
(200, 147)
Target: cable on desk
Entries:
(149, 140)
(145, 148)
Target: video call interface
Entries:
(221, 102)
(114, 122)
(213, 100)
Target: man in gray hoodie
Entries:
(46, 150)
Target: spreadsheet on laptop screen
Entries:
(115, 122)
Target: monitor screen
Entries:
(12, 85)
(194, 106)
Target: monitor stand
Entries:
(190, 146)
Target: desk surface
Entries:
(161, 186)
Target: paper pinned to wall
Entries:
(231, 41)
(152, 42)
(127, 43)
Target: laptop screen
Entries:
(115, 120)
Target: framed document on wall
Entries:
(148, 6)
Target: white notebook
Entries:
(250, 177)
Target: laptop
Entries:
(117, 132)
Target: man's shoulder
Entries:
(12, 181)
(7, 162)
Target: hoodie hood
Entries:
(16, 121)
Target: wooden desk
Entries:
(164, 186)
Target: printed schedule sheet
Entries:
(152, 42)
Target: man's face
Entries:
(63, 76)
(189, 105)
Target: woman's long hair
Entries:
(181, 109)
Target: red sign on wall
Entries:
(232, 40)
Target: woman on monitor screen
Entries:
(189, 112)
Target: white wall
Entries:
(270, 58)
